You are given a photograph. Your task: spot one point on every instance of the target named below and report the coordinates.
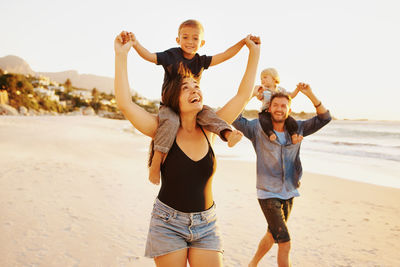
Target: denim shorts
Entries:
(171, 230)
(277, 212)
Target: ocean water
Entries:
(365, 151)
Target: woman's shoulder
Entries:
(210, 136)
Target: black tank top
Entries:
(186, 184)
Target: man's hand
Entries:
(305, 89)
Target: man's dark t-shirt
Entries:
(171, 58)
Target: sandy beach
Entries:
(74, 192)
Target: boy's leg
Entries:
(168, 125)
(266, 124)
(292, 128)
(211, 122)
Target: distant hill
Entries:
(252, 114)
(87, 81)
(14, 64)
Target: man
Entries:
(279, 168)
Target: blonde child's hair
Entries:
(191, 23)
(273, 73)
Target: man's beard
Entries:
(277, 120)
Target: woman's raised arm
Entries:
(231, 110)
(140, 118)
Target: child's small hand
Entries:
(234, 137)
(128, 37)
(125, 37)
(133, 39)
(296, 138)
(255, 39)
(122, 43)
(258, 92)
(252, 41)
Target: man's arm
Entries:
(229, 53)
(323, 116)
(143, 52)
(306, 90)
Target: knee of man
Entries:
(285, 246)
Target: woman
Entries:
(183, 226)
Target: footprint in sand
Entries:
(395, 229)
(9, 223)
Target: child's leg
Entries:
(266, 124)
(168, 125)
(211, 122)
(292, 128)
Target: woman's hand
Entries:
(123, 43)
(142, 120)
(253, 42)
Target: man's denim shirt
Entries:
(275, 162)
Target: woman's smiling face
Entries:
(191, 98)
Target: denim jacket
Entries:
(275, 162)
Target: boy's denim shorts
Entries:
(171, 230)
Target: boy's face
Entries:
(190, 40)
(268, 81)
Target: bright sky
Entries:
(347, 50)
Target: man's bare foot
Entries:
(252, 264)
(154, 169)
(296, 138)
(272, 137)
(233, 137)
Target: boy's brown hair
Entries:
(191, 23)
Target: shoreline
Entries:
(74, 191)
(313, 172)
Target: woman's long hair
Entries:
(171, 94)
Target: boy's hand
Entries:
(122, 43)
(133, 39)
(255, 39)
(129, 36)
(252, 41)
(257, 91)
(234, 137)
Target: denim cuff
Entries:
(325, 116)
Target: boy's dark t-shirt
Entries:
(171, 58)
